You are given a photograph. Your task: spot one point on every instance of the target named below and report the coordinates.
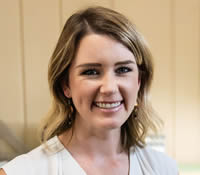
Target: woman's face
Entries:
(103, 82)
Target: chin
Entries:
(112, 125)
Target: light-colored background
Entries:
(29, 30)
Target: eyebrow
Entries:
(99, 65)
(125, 62)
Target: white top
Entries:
(58, 161)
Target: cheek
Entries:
(132, 82)
(131, 88)
(83, 92)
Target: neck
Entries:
(93, 142)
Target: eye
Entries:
(122, 70)
(90, 72)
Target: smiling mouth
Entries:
(108, 105)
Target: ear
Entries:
(66, 90)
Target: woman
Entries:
(99, 76)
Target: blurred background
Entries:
(29, 30)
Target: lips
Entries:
(108, 105)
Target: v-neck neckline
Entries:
(74, 167)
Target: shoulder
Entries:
(18, 165)
(158, 161)
(38, 161)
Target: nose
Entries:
(109, 84)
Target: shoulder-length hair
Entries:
(104, 21)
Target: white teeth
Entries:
(108, 105)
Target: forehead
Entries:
(101, 48)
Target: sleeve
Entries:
(163, 163)
(19, 165)
(39, 161)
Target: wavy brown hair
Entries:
(104, 21)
